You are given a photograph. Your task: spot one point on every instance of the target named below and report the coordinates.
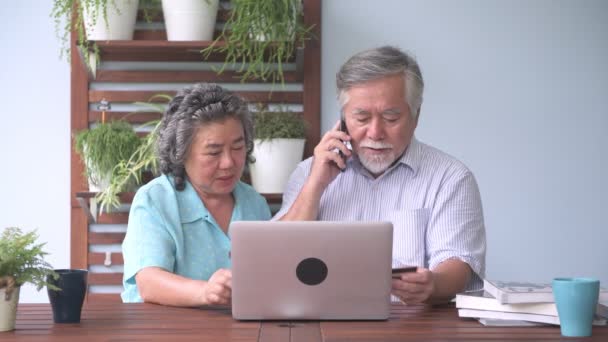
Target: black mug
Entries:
(67, 302)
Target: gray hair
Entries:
(378, 63)
(193, 107)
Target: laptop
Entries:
(311, 270)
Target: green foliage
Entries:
(23, 260)
(62, 13)
(105, 145)
(278, 124)
(129, 170)
(261, 35)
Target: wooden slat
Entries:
(78, 106)
(125, 76)
(78, 238)
(113, 218)
(159, 50)
(105, 278)
(142, 96)
(104, 298)
(99, 258)
(157, 16)
(106, 238)
(131, 117)
(312, 81)
(147, 34)
(125, 197)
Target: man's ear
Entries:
(417, 117)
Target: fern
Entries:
(22, 260)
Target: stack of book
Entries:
(502, 303)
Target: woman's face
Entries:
(216, 158)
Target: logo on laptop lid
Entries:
(311, 271)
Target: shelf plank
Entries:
(292, 97)
(130, 117)
(161, 50)
(173, 76)
(113, 218)
(103, 298)
(125, 197)
(105, 278)
(106, 238)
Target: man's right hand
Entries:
(326, 164)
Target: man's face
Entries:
(379, 121)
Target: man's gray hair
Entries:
(193, 107)
(378, 63)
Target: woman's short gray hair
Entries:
(377, 63)
(193, 107)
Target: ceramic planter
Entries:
(120, 25)
(187, 20)
(8, 309)
(275, 161)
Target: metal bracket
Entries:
(108, 260)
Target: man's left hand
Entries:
(414, 287)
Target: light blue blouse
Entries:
(173, 230)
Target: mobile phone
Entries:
(346, 143)
(396, 272)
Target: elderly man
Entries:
(431, 198)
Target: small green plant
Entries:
(130, 170)
(105, 146)
(22, 261)
(261, 35)
(278, 124)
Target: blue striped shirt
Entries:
(431, 198)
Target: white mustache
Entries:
(375, 144)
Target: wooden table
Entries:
(148, 322)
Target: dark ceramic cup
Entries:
(67, 303)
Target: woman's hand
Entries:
(218, 289)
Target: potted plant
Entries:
(104, 146)
(93, 20)
(130, 171)
(261, 35)
(21, 261)
(278, 148)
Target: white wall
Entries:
(35, 138)
(518, 90)
(515, 89)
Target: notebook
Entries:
(311, 270)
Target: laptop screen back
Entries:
(311, 270)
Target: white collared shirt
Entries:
(431, 198)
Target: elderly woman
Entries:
(177, 249)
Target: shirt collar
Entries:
(192, 208)
(411, 157)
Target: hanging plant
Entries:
(260, 36)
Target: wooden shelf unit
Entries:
(151, 46)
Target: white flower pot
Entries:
(275, 161)
(8, 309)
(190, 19)
(120, 21)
